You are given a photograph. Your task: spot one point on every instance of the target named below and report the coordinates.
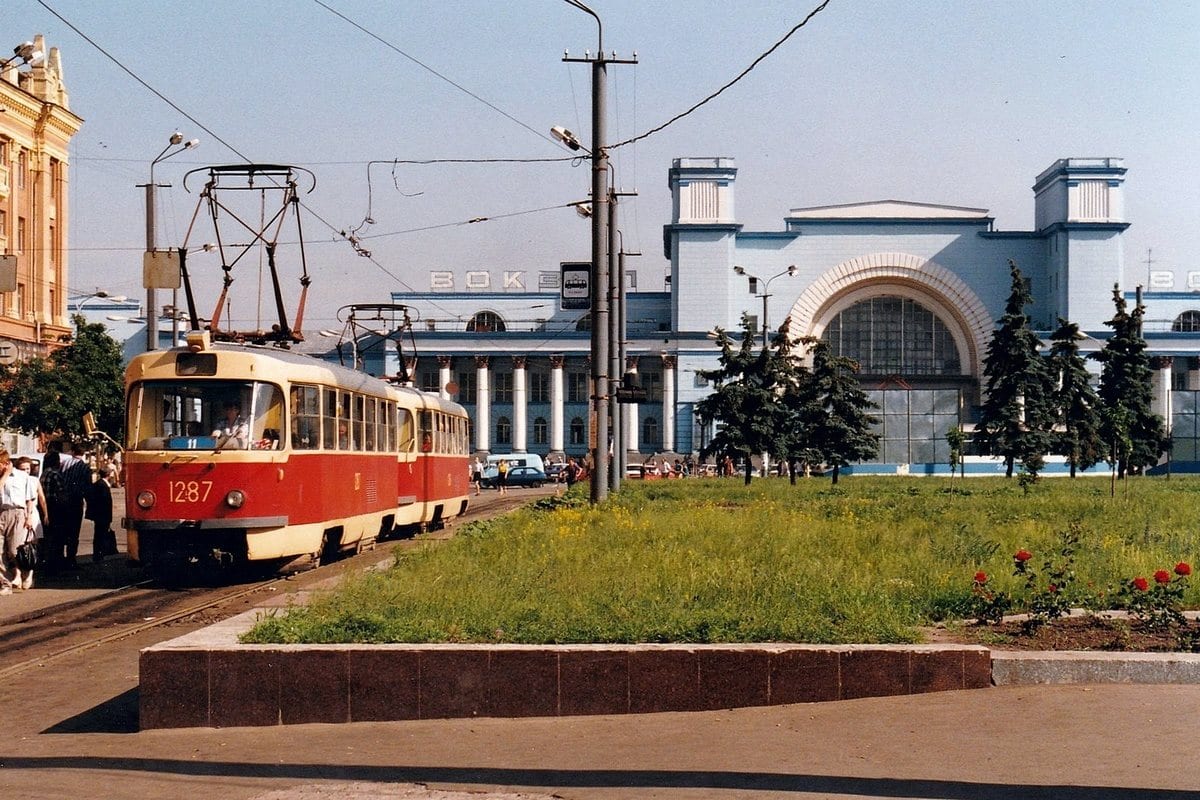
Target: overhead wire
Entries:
(431, 70)
(739, 76)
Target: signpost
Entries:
(575, 292)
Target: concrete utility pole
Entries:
(175, 141)
(600, 268)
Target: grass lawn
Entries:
(710, 560)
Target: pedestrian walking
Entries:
(477, 475)
(40, 515)
(17, 498)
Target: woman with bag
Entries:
(27, 553)
(17, 497)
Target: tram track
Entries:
(42, 636)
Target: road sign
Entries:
(575, 293)
(631, 395)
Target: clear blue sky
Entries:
(953, 102)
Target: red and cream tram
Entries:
(243, 454)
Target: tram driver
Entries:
(234, 427)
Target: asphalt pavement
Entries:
(70, 731)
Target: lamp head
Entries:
(566, 137)
(791, 270)
(190, 143)
(739, 270)
(176, 137)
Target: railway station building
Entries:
(912, 290)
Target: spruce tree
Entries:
(1076, 405)
(745, 398)
(1125, 391)
(840, 429)
(1015, 418)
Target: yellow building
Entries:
(36, 126)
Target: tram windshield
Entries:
(204, 415)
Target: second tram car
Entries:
(243, 454)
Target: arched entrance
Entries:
(918, 333)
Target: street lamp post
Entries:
(176, 141)
(600, 269)
(764, 295)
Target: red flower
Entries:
(1162, 576)
(981, 577)
(1023, 555)
(1051, 588)
(1140, 583)
(1183, 569)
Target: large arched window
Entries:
(577, 430)
(503, 431)
(540, 429)
(486, 322)
(894, 336)
(1187, 322)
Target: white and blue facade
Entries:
(911, 290)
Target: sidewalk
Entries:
(92, 578)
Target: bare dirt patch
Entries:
(1085, 632)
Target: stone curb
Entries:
(1012, 667)
(207, 679)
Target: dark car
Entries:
(517, 476)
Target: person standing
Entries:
(502, 477)
(100, 512)
(77, 476)
(55, 491)
(477, 475)
(17, 497)
(40, 514)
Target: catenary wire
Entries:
(740, 75)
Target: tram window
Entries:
(306, 417)
(406, 431)
(267, 418)
(329, 418)
(356, 440)
(425, 431)
(191, 414)
(370, 423)
(387, 426)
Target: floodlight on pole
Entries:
(26, 53)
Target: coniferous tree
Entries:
(745, 399)
(1076, 405)
(840, 427)
(1015, 418)
(793, 437)
(1126, 393)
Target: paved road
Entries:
(70, 731)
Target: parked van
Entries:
(514, 460)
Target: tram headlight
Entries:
(235, 498)
(145, 499)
